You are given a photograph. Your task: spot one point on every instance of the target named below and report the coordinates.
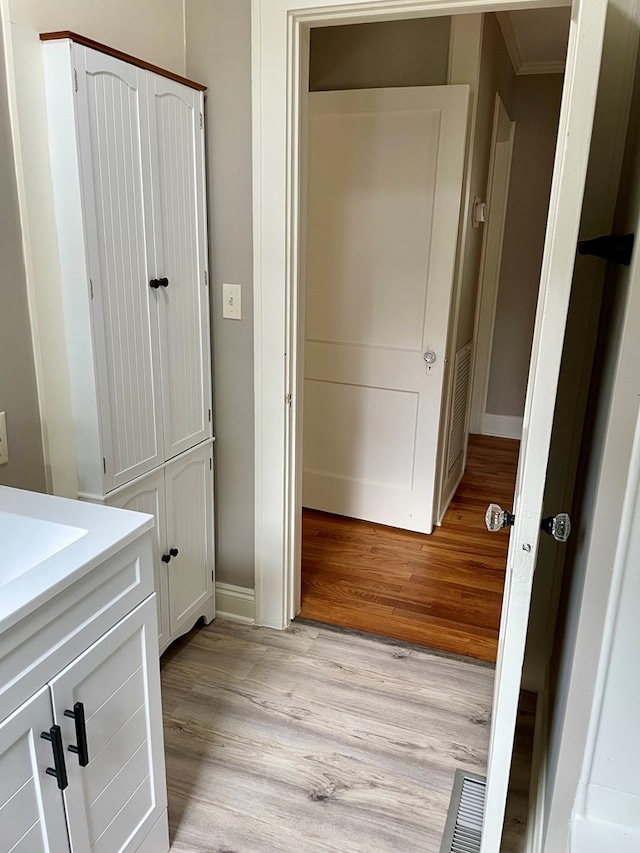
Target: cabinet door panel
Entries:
(189, 491)
(31, 807)
(114, 801)
(112, 124)
(177, 188)
(148, 496)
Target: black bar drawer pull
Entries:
(81, 750)
(59, 770)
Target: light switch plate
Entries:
(4, 447)
(231, 302)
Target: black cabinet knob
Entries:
(154, 283)
(166, 558)
(163, 282)
(174, 552)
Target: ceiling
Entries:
(536, 39)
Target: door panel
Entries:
(572, 154)
(112, 94)
(177, 155)
(148, 496)
(189, 491)
(118, 796)
(385, 181)
(31, 807)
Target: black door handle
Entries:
(174, 552)
(59, 770)
(81, 749)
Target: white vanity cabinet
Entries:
(127, 157)
(179, 496)
(31, 809)
(81, 746)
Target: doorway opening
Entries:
(360, 567)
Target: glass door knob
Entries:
(496, 518)
(558, 526)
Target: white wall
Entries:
(218, 40)
(536, 110)
(608, 805)
(386, 53)
(154, 30)
(612, 413)
(495, 75)
(18, 391)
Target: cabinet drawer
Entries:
(39, 647)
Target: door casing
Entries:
(279, 270)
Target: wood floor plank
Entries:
(319, 740)
(444, 590)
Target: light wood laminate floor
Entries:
(312, 740)
(443, 590)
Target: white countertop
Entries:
(47, 543)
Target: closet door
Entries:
(189, 492)
(177, 191)
(147, 495)
(112, 126)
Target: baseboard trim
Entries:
(534, 838)
(501, 426)
(236, 603)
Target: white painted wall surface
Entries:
(535, 110)
(218, 44)
(154, 31)
(18, 390)
(382, 54)
(612, 413)
(608, 806)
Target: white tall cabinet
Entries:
(127, 154)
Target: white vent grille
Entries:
(461, 380)
(463, 830)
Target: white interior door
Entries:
(574, 134)
(176, 126)
(385, 174)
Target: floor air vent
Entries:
(463, 829)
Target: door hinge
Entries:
(289, 399)
(91, 288)
(201, 122)
(104, 465)
(75, 79)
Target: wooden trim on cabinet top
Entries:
(118, 54)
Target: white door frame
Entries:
(280, 56)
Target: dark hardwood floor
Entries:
(443, 591)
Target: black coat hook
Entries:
(614, 247)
